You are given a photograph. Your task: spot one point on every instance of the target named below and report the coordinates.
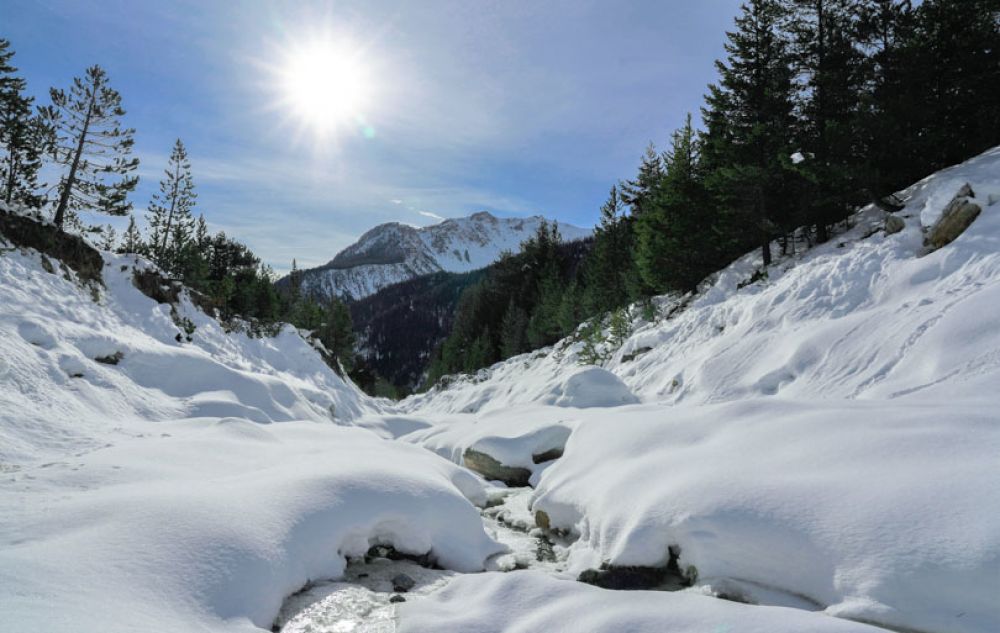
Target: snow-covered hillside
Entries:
(827, 438)
(821, 442)
(390, 253)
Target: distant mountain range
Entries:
(394, 252)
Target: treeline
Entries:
(79, 134)
(820, 106)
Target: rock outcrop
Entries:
(956, 217)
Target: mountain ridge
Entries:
(393, 252)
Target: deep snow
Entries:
(822, 443)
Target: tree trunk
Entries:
(71, 179)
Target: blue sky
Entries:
(518, 108)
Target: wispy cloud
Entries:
(428, 214)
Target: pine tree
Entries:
(513, 331)
(749, 119)
(678, 236)
(91, 144)
(132, 243)
(890, 112)
(637, 193)
(170, 219)
(610, 269)
(24, 137)
(826, 36)
(109, 238)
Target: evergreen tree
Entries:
(678, 236)
(513, 331)
(610, 267)
(91, 144)
(170, 219)
(132, 243)
(827, 56)
(23, 136)
(638, 193)
(109, 238)
(955, 62)
(890, 112)
(749, 119)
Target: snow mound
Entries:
(195, 525)
(532, 601)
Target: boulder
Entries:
(956, 217)
(894, 224)
(401, 583)
(493, 470)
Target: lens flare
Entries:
(325, 85)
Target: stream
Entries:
(363, 601)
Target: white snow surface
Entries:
(828, 436)
(193, 485)
(394, 252)
(823, 442)
(528, 601)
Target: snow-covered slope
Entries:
(150, 483)
(57, 398)
(390, 253)
(827, 438)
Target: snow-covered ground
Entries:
(829, 435)
(824, 442)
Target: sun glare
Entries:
(325, 85)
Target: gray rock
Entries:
(491, 469)
(956, 217)
(402, 583)
(397, 598)
(894, 224)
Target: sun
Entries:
(325, 84)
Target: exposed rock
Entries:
(956, 217)
(669, 577)
(155, 286)
(547, 456)
(111, 359)
(631, 356)
(491, 469)
(401, 583)
(397, 598)
(542, 519)
(619, 578)
(894, 224)
(26, 232)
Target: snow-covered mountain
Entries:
(394, 252)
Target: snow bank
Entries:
(64, 390)
(208, 525)
(532, 601)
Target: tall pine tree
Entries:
(831, 67)
(92, 146)
(23, 136)
(750, 121)
(169, 216)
